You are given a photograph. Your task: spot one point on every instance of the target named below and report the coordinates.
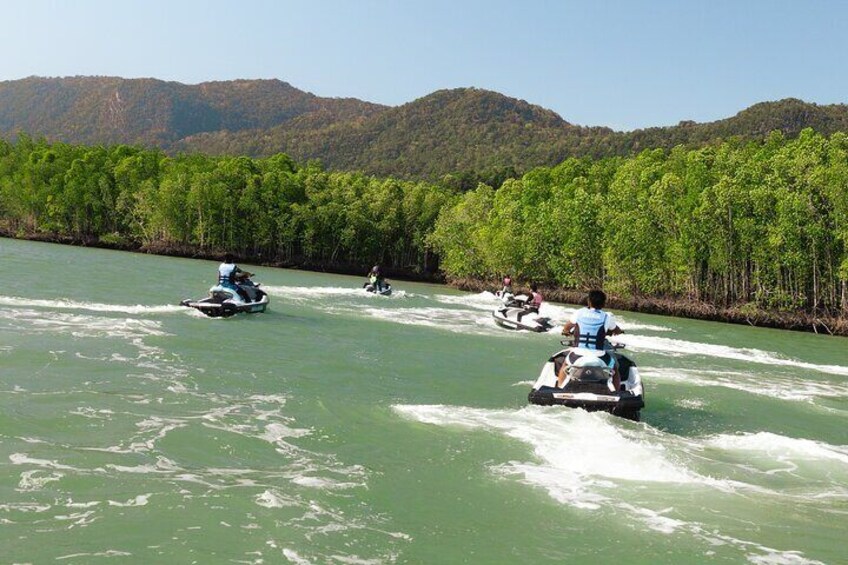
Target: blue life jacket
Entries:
(591, 329)
(227, 274)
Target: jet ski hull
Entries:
(224, 302)
(591, 396)
(511, 319)
(622, 404)
(371, 289)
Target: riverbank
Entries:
(191, 252)
(742, 315)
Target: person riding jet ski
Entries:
(591, 373)
(507, 287)
(229, 275)
(590, 327)
(521, 312)
(233, 293)
(534, 302)
(376, 282)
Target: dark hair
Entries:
(228, 258)
(597, 298)
(534, 287)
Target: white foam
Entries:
(323, 483)
(67, 304)
(636, 326)
(482, 301)
(81, 325)
(108, 553)
(664, 345)
(691, 403)
(24, 507)
(785, 388)
(24, 459)
(774, 557)
(300, 293)
(36, 480)
(782, 448)
(92, 413)
(607, 455)
(311, 292)
(140, 500)
(460, 321)
(293, 557)
(356, 560)
(273, 499)
(78, 518)
(71, 504)
(275, 432)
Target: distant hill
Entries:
(457, 130)
(93, 110)
(449, 130)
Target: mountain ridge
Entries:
(446, 131)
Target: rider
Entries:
(375, 277)
(590, 327)
(507, 286)
(533, 303)
(229, 275)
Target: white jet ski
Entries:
(224, 302)
(513, 315)
(588, 383)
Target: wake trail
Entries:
(66, 304)
(669, 346)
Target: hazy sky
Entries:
(623, 64)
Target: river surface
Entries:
(340, 427)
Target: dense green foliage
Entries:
(268, 209)
(759, 223)
(462, 132)
(764, 224)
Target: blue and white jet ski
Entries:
(513, 315)
(588, 383)
(224, 301)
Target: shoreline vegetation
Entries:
(750, 232)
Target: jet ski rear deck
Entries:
(591, 393)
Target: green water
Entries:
(340, 427)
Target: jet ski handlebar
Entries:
(608, 345)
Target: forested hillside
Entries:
(469, 133)
(109, 110)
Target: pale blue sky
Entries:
(623, 64)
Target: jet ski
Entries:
(588, 383)
(384, 290)
(224, 301)
(514, 316)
